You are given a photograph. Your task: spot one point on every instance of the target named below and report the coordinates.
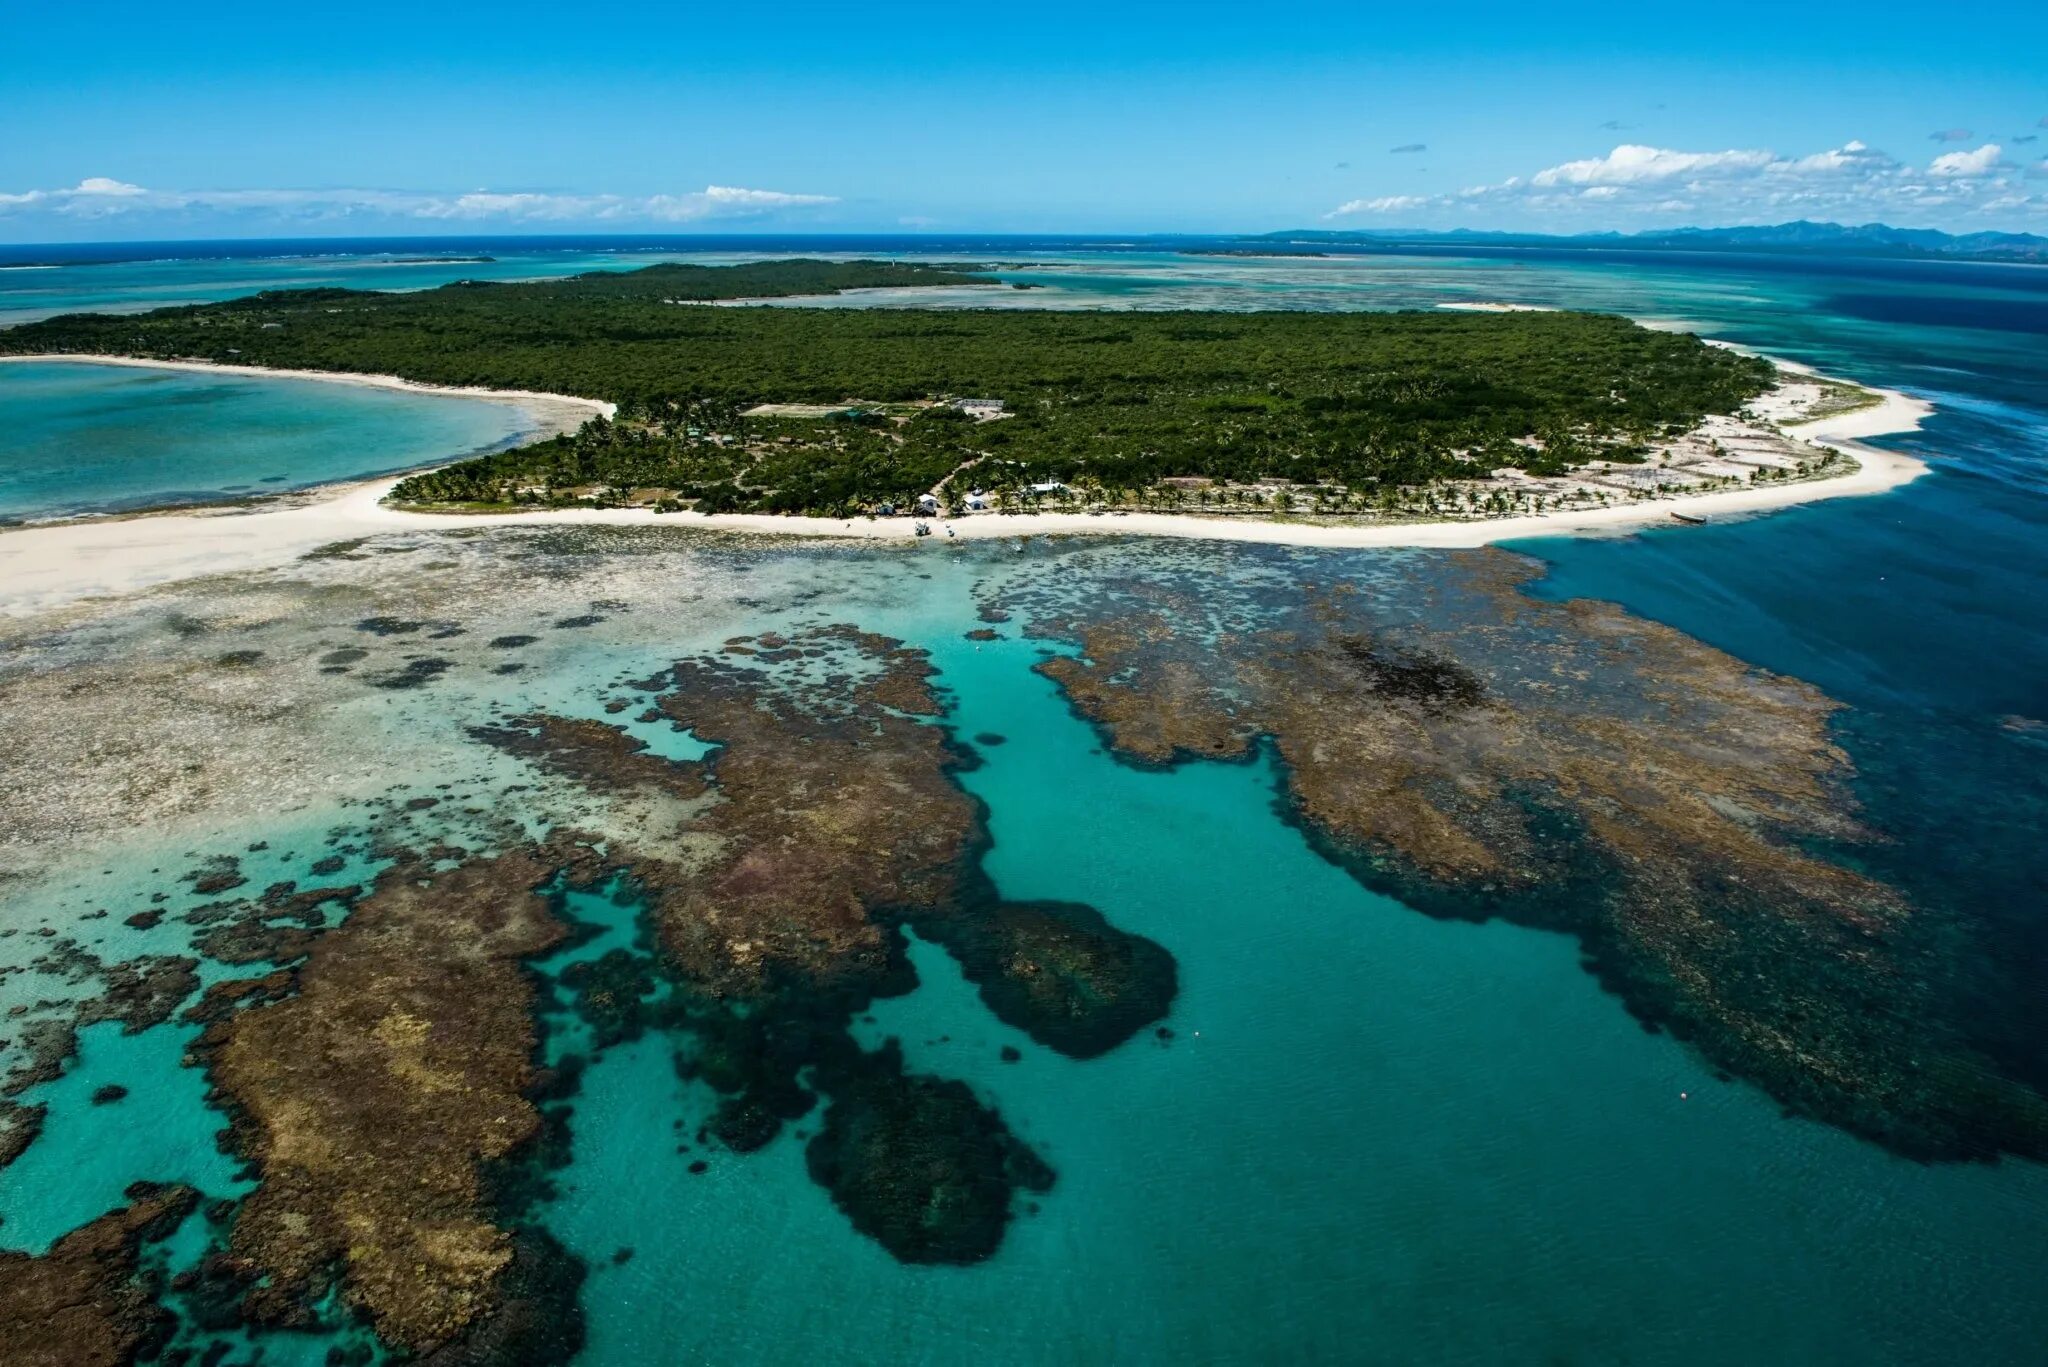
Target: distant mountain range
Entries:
(1834, 239)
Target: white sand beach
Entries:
(42, 567)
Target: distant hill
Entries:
(1835, 239)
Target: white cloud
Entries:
(1634, 164)
(98, 196)
(1854, 181)
(92, 187)
(1981, 162)
(1850, 156)
(770, 199)
(1385, 204)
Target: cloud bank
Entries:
(1637, 182)
(99, 197)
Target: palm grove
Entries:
(1359, 407)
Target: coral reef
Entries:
(82, 1303)
(778, 874)
(1475, 751)
(372, 1099)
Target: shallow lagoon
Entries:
(79, 438)
(1371, 1136)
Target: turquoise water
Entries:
(1373, 1136)
(79, 438)
(42, 291)
(161, 1131)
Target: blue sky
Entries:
(126, 121)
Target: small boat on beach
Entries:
(1694, 519)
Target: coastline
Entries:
(49, 565)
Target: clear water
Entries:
(1374, 1137)
(59, 281)
(78, 438)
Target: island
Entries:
(840, 412)
(441, 260)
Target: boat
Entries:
(1693, 518)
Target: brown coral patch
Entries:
(1178, 712)
(19, 1126)
(591, 753)
(1476, 751)
(372, 1098)
(81, 1304)
(830, 809)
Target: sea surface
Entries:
(78, 438)
(1373, 1136)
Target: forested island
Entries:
(840, 410)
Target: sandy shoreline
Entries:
(46, 566)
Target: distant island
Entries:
(1250, 251)
(834, 411)
(1797, 238)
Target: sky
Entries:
(126, 122)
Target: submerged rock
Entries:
(610, 994)
(917, 1163)
(1059, 971)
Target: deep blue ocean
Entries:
(1377, 1137)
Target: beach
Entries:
(43, 567)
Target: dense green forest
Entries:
(1110, 401)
